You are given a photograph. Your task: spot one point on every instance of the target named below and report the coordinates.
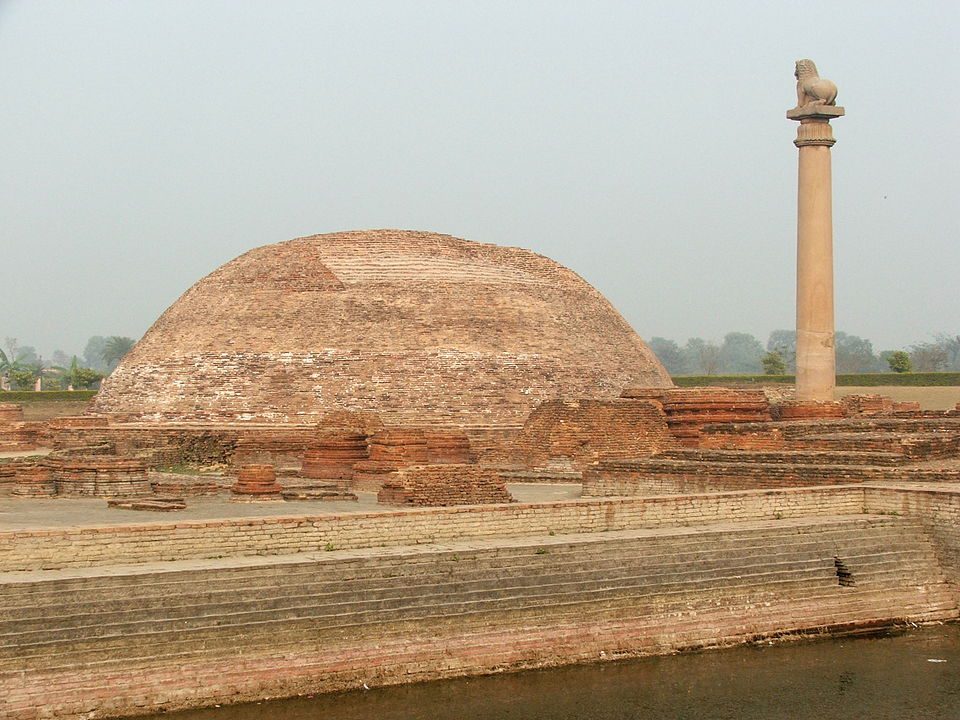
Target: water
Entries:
(865, 677)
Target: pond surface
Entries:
(914, 675)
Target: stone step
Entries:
(396, 660)
(854, 604)
(585, 547)
(822, 573)
(238, 599)
(405, 605)
(453, 577)
(54, 599)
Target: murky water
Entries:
(908, 676)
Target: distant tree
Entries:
(6, 366)
(28, 355)
(81, 378)
(854, 354)
(740, 353)
(951, 346)
(93, 353)
(785, 343)
(20, 365)
(52, 381)
(668, 353)
(115, 348)
(773, 363)
(60, 359)
(701, 357)
(884, 358)
(928, 357)
(899, 361)
(23, 377)
(86, 378)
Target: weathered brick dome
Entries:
(419, 327)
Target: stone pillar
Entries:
(816, 358)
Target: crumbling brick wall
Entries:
(584, 431)
(441, 485)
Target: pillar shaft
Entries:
(816, 357)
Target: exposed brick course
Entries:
(583, 431)
(256, 482)
(10, 413)
(441, 485)
(419, 327)
(98, 475)
(34, 480)
(808, 410)
(868, 405)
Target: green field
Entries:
(950, 379)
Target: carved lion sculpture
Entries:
(811, 88)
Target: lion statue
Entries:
(811, 88)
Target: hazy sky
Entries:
(642, 144)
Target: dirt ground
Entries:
(46, 409)
(930, 398)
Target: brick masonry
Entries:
(583, 431)
(418, 327)
(178, 636)
(444, 485)
(285, 534)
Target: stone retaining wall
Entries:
(280, 535)
(937, 509)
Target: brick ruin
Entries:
(421, 328)
(577, 433)
(730, 438)
(863, 439)
(15, 434)
(256, 483)
(688, 410)
(327, 468)
(449, 484)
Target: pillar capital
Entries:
(814, 128)
(815, 113)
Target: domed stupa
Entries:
(418, 327)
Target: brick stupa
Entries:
(424, 329)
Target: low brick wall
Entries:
(666, 476)
(159, 541)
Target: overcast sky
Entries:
(644, 145)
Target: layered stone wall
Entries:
(180, 636)
(280, 535)
(937, 509)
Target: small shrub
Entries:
(773, 363)
(899, 362)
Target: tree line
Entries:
(21, 366)
(743, 354)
